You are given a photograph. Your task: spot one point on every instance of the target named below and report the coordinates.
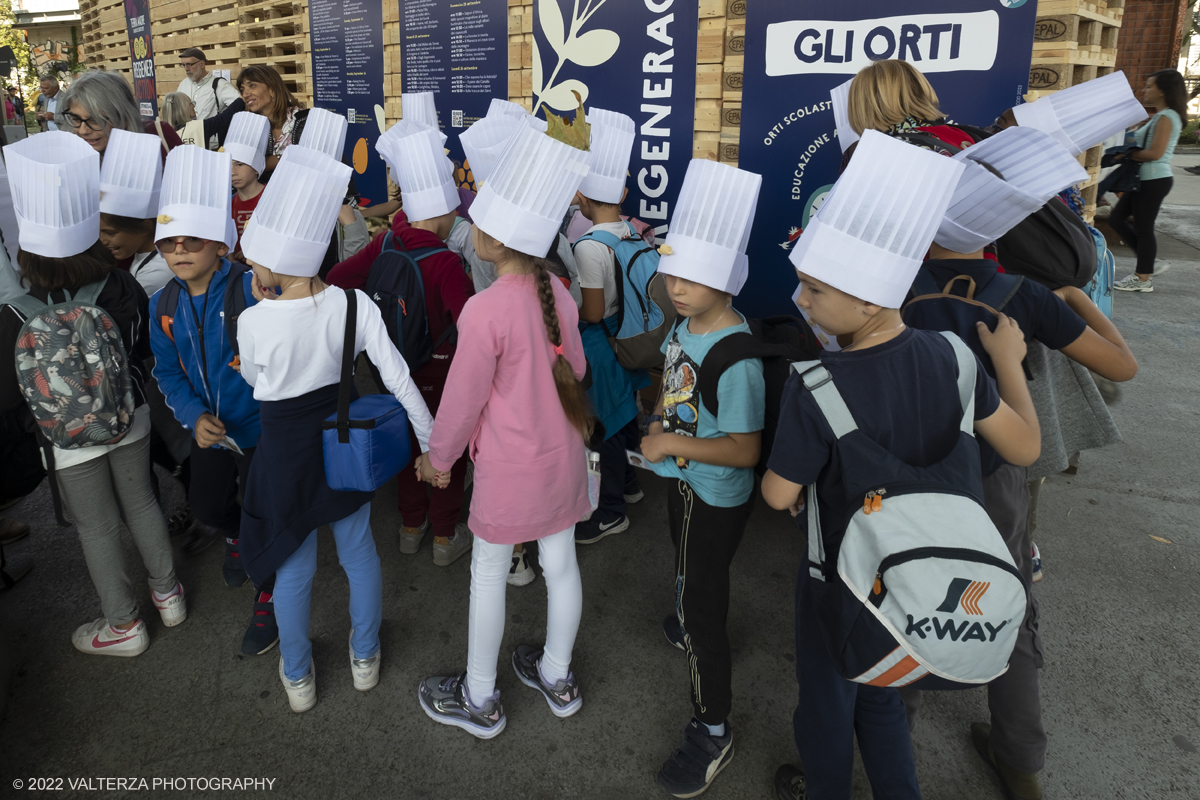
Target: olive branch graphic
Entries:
(587, 49)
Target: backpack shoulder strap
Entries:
(724, 354)
(923, 284)
(27, 305)
(234, 301)
(605, 238)
(168, 301)
(422, 253)
(88, 295)
(819, 382)
(1002, 288)
(966, 381)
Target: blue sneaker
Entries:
(263, 632)
(697, 762)
(445, 700)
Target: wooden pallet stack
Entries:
(211, 25)
(105, 37)
(1075, 41)
(720, 61)
(520, 53)
(275, 33)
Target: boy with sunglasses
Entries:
(195, 360)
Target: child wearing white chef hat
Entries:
(246, 143)
(130, 181)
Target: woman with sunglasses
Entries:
(97, 102)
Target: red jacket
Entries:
(447, 289)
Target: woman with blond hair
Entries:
(893, 97)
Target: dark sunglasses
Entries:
(74, 120)
(192, 244)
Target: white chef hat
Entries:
(246, 141)
(984, 207)
(325, 132)
(611, 146)
(131, 175)
(419, 165)
(1086, 114)
(196, 198)
(710, 228)
(485, 140)
(839, 97)
(419, 107)
(875, 226)
(54, 178)
(290, 229)
(506, 108)
(524, 200)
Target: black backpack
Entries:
(395, 284)
(779, 342)
(234, 304)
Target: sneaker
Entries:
(263, 633)
(594, 530)
(673, 630)
(447, 551)
(1194, 170)
(520, 573)
(1019, 785)
(1037, 564)
(697, 762)
(1130, 283)
(364, 670)
(233, 571)
(200, 539)
(1162, 267)
(633, 491)
(172, 608)
(101, 639)
(789, 783)
(181, 521)
(410, 538)
(445, 701)
(301, 694)
(563, 697)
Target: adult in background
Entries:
(1167, 94)
(99, 101)
(264, 92)
(210, 94)
(179, 111)
(48, 103)
(14, 97)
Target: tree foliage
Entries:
(14, 37)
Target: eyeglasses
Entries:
(74, 120)
(188, 64)
(192, 244)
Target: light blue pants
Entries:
(293, 592)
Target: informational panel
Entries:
(975, 53)
(347, 59)
(636, 57)
(141, 54)
(457, 49)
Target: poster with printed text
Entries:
(635, 57)
(975, 53)
(141, 54)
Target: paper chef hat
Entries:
(290, 229)
(131, 175)
(1085, 114)
(247, 139)
(419, 107)
(872, 231)
(325, 132)
(985, 207)
(506, 108)
(418, 161)
(608, 160)
(711, 226)
(54, 178)
(485, 140)
(196, 197)
(524, 200)
(840, 99)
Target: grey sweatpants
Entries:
(1014, 698)
(98, 492)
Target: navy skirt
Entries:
(286, 496)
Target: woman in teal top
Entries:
(1165, 91)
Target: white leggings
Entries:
(564, 605)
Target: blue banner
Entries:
(636, 57)
(975, 53)
(347, 57)
(141, 55)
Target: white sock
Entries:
(161, 597)
(715, 730)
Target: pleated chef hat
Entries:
(420, 166)
(608, 159)
(524, 200)
(984, 207)
(485, 140)
(419, 107)
(290, 229)
(711, 226)
(196, 198)
(54, 178)
(839, 97)
(131, 175)
(499, 107)
(247, 139)
(875, 226)
(325, 132)
(1086, 114)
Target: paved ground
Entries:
(1120, 613)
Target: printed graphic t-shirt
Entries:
(242, 209)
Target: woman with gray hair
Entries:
(99, 101)
(178, 110)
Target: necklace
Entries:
(712, 327)
(856, 345)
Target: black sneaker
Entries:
(563, 697)
(181, 521)
(673, 630)
(263, 633)
(200, 539)
(789, 783)
(235, 574)
(633, 491)
(594, 530)
(697, 762)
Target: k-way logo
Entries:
(965, 594)
(932, 42)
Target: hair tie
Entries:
(558, 349)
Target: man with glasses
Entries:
(210, 93)
(47, 103)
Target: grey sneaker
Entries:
(445, 700)
(447, 551)
(520, 573)
(563, 697)
(410, 538)
(364, 670)
(1131, 283)
(301, 694)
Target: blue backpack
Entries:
(395, 284)
(645, 314)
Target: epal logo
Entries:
(966, 594)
